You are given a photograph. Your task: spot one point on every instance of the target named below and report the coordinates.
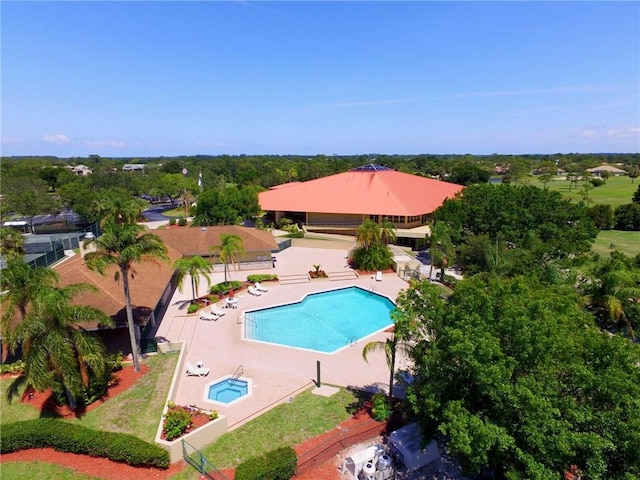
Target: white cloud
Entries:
(57, 138)
(607, 132)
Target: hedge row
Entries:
(67, 437)
(261, 277)
(279, 464)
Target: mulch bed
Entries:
(44, 401)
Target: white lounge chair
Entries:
(217, 311)
(211, 316)
(193, 371)
(378, 276)
(260, 288)
(255, 291)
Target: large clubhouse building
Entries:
(339, 203)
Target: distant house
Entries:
(603, 170)
(80, 170)
(133, 167)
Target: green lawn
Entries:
(14, 411)
(39, 470)
(626, 242)
(138, 410)
(617, 190)
(289, 424)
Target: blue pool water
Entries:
(228, 390)
(324, 321)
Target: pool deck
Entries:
(278, 373)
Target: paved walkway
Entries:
(277, 373)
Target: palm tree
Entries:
(185, 200)
(441, 247)
(194, 267)
(615, 290)
(116, 206)
(11, 243)
(387, 232)
(122, 245)
(229, 250)
(21, 282)
(58, 353)
(368, 234)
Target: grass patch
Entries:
(617, 191)
(138, 410)
(289, 424)
(41, 471)
(175, 212)
(14, 411)
(625, 242)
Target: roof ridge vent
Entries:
(371, 167)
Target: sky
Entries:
(162, 78)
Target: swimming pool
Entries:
(227, 390)
(324, 321)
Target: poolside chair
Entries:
(208, 316)
(255, 291)
(193, 371)
(217, 311)
(260, 288)
(378, 276)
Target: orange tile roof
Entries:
(386, 192)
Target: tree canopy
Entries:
(521, 382)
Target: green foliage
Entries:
(297, 234)
(182, 222)
(277, 464)
(192, 308)
(172, 221)
(376, 257)
(224, 287)
(627, 217)
(521, 381)
(602, 216)
(380, 407)
(176, 422)
(67, 437)
(468, 173)
(12, 368)
(636, 196)
(228, 206)
(597, 182)
(213, 415)
(261, 277)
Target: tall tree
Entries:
(368, 234)
(58, 353)
(194, 267)
(441, 249)
(229, 250)
(122, 246)
(21, 283)
(388, 232)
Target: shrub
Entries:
(261, 277)
(297, 234)
(67, 437)
(376, 257)
(176, 422)
(627, 217)
(15, 367)
(380, 408)
(597, 182)
(172, 221)
(224, 287)
(279, 464)
(213, 415)
(182, 222)
(192, 308)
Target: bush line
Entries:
(67, 437)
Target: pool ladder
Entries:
(352, 341)
(236, 375)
